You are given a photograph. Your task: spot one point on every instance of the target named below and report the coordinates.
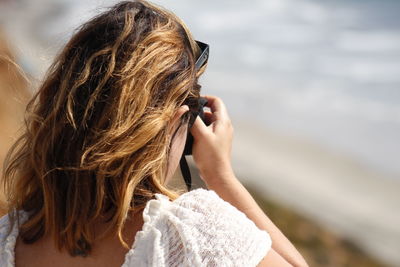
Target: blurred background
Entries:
(313, 88)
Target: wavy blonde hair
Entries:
(97, 134)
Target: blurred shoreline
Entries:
(319, 246)
(347, 198)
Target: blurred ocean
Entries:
(327, 71)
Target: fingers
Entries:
(217, 116)
(212, 139)
(217, 107)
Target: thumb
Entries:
(199, 129)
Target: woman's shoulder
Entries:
(200, 196)
(197, 229)
(194, 207)
(199, 200)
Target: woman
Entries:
(87, 181)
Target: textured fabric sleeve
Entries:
(225, 235)
(6, 251)
(8, 238)
(198, 229)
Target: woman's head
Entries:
(99, 129)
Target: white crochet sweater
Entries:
(197, 229)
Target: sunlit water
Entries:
(328, 71)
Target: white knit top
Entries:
(197, 229)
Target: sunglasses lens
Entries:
(203, 58)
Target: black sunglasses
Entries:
(205, 51)
(202, 102)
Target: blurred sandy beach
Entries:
(349, 199)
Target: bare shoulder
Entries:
(272, 258)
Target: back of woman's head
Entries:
(97, 131)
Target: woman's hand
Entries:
(212, 144)
(212, 154)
